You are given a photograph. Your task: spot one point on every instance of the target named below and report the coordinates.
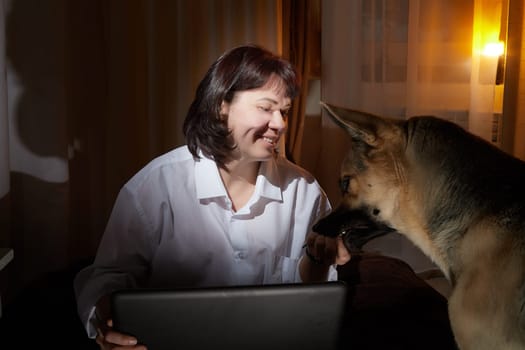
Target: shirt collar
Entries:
(208, 182)
(268, 181)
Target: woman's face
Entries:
(257, 119)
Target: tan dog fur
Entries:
(459, 199)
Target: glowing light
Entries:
(494, 49)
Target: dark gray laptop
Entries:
(270, 317)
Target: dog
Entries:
(457, 197)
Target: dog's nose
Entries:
(326, 226)
(318, 228)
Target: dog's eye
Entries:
(343, 184)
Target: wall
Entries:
(96, 89)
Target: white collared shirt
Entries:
(172, 225)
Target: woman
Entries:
(223, 210)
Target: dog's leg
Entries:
(483, 313)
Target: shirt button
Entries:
(239, 255)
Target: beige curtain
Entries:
(401, 58)
(96, 89)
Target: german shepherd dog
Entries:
(458, 198)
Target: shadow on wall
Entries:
(38, 141)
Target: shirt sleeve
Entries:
(120, 260)
(320, 208)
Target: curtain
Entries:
(513, 128)
(4, 140)
(401, 58)
(301, 45)
(95, 89)
(4, 133)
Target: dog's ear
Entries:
(360, 125)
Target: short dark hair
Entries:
(239, 69)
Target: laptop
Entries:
(281, 316)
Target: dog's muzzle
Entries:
(356, 227)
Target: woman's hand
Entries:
(327, 250)
(322, 252)
(107, 339)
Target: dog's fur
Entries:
(458, 198)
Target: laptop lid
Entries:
(282, 316)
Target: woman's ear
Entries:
(225, 109)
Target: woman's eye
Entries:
(265, 109)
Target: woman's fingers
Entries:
(343, 255)
(328, 250)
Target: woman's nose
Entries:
(277, 122)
